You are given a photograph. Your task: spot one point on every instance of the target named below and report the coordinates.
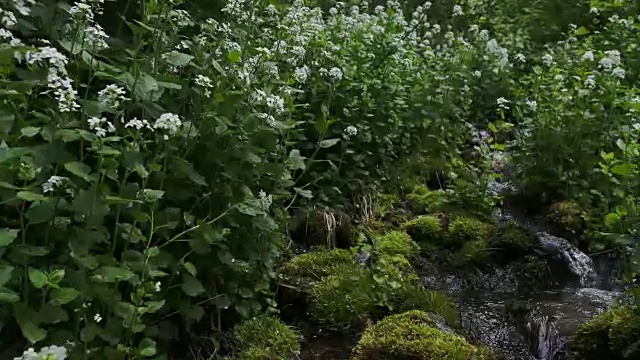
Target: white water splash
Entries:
(578, 262)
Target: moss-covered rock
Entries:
(515, 240)
(463, 229)
(424, 229)
(533, 272)
(566, 216)
(323, 227)
(607, 336)
(422, 200)
(304, 269)
(472, 254)
(417, 297)
(395, 242)
(265, 338)
(343, 300)
(413, 335)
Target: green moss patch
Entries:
(265, 338)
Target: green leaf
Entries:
(41, 212)
(30, 196)
(50, 314)
(222, 301)
(110, 274)
(176, 58)
(623, 170)
(189, 267)
(304, 193)
(30, 131)
(191, 286)
(243, 308)
(582, 31)
(63, 296)
(5, 274)
(216, 65)
(234, 56)
(620, 143)
(32, 332)
(328, 143)
(79, 169)
(147, 347)
(8, 296)
(38, 278)
(7, 236)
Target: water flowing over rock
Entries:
(578, 262)
(544, 337)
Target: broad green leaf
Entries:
(110, 274)
(5, 274)
(38, 278)
(7, 236)
(328, 143)
(216, 65)
(582, 31)
(61, 296)
(222, 301)
(51, 314)
(151, 196)
(190, 268)
(191, 286)
(168, 85)
(32, 332)
(234, 56)
(79, 169)
(243, 307)
(153, 306)
(30, 196)
(176, 58)
(620, 143)
(8, 296)
(147, 347)
(30, 131)
(623, 170)
(41, 212)
(304, 193)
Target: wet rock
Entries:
(578, 262)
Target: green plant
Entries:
(343, 300)
(423, 200)
(395, 243)
(566, 215)
(265, 338)
(472, 254)
(413, 335)
(608, 335)
(515, 240)
(464, 229)
(417, 297)
(424, 229)
(392, 275)
(304, 269)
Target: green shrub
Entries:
(423, 200)
(464, 229)
(395, 242)
(265, 338)
(424, 229)
(413, 335)
(514, 240)
(566, 215)
(417, 297)
(392, 275)
(607, 335)
(472, 254)
(343, 300)
(304, 269)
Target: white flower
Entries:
(502, 103)
(484, 35)
(111, 96)
(7, 18)
(301, 74)
(169, 122)
(96, 37)
(53, 183)
(333, 11)
(275, 102)
(97, 318)
(520, 58)
(477, 74)
(335, 74)
(52, 352)
(588, 56)
(269, 119)
(547, 59)
(138, 124)
(206, 83)
(158, 286)
(590, 82)
(532, 104)
(457, 10)
(612, 59)
(618, 72)
(594, 10)
(98, 126)
(265, 200)
(350, 131)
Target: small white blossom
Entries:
(168, 122)
(268, 118)
(265, 200)
(588, 56)
(138, 124)
(612, 59)
(101, 126)
(547, 59)
(206, 83)
(335, 74)
(53, 183)
(477, 74)
(618, 72)
(301, 74)
(457, 10)
(590, 82)
(97, 318)
(275, 102)
(158, 286)
(532, 104)
(502, 103)
(52, 352)
(111, 96)
(350, 131)
(520, 58)
(594, 10)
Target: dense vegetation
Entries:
(161, 161)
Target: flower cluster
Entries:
(168, 122)
(101, 126)
(111, 96)
(52, 352)
(53, 183)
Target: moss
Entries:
(423, 200)
(533, 272)
(607, 336)
(464, 229)
(306, 268)
(266, 338)
(424, 229)
(395, 242)
(342, 300)
(413, 335)
(515, 240)
(417, 297)
(566, 215)
(472, 254)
